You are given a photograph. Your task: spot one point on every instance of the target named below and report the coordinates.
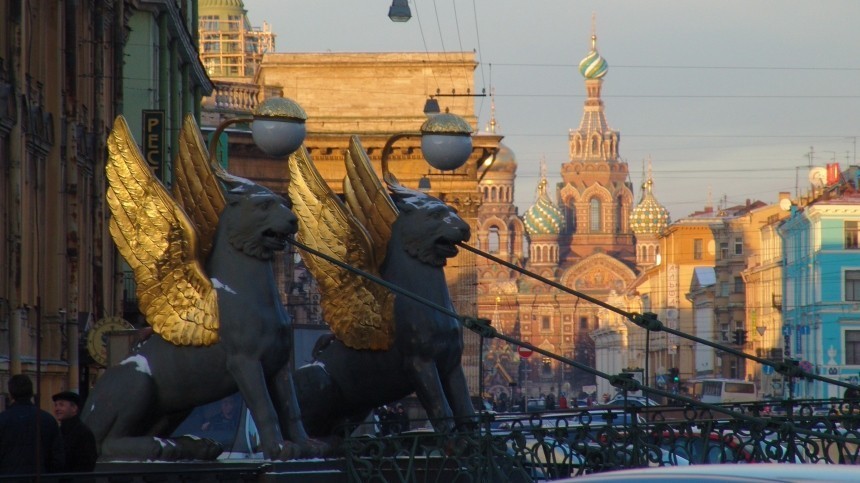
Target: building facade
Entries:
(821, 289)
(64, 76)
(580, 236)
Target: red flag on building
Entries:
(832, 173)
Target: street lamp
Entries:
(277, 127)
(446, 141)
(399, 11)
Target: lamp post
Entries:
(446, 141)
(277, 127)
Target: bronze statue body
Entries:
(136, 405)
(344, 384)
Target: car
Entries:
(763, 473)
(639, 401)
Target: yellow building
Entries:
(684, 246)
(763, 278)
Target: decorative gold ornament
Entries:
(97, 337)
(159, 241)
(359, 311)
(280, 107)
(446, 123)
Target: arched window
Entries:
(594, 150)
(570, 217)
(594, 218)
(493, 241)
(619, 214)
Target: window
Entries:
(493, 240)
(594, 215)
(724, 250)
(852, 285)
(545, 323)
(697, 249)
(739, 246)
(570, 218)
(583, 322)
(852, 347)
(739, 285)
(619, 214)
(724, 289)
(852, 235)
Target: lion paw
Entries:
(187, 448)
(314, 448)
(284, 451)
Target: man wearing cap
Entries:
(19, 425)
(78, 440)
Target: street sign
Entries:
(525, 353)
(786, 330)
(766, 370)
(661, 380)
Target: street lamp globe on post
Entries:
(277, 127)
(446, 141)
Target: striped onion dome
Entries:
(649, 217)
(593, 66)
(543, 218)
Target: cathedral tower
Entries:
(595, 193)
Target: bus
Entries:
(718, 390)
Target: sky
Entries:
(730, 100)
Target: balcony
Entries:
(238, 97)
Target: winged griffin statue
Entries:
(202, 260)
(384, 347)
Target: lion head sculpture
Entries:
(257, 221)
(429, 228)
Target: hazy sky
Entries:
(725, 96)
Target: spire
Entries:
(593, 66)
(491, 126)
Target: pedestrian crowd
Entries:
(34, 442)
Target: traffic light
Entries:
(740, 337)
(675, 375)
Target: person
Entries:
(550, 401)
(79, 443)
(226, 419)
(402, 418)
(18, 426)
(562, 401)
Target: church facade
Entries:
(583, 235)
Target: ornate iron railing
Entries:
(554, 445)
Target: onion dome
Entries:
(593, 66)
(504, 159)
(649, 217)
(543, 218)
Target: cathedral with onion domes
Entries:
(584, 232)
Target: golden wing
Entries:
(367, 199)
(352, 305)
(195, 186)
(158, 241)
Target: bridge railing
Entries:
(561, 444)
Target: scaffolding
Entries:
(230, 47)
